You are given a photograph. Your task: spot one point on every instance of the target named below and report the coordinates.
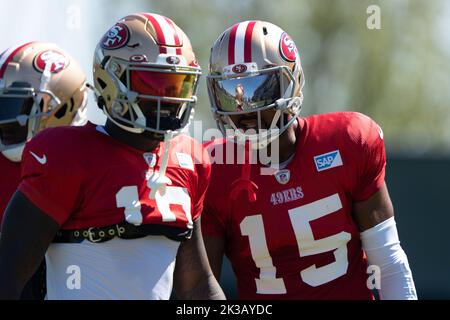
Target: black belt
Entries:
(123, 230)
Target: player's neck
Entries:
(135, 140)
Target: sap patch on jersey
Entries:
(328, 160)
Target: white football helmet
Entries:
(255, 66)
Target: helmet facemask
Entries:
(150, 97)
(23, 112)
(251, 93)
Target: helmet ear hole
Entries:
(265, 31)
(72, 104)
(100, 102)
(101, 83)
(41, 105)
(61, 111)
(123, 79)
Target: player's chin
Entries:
(252, 125)
(152, 136)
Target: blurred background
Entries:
(395, 69)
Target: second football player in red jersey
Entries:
(308, 225)
(32, 99)
(117, 207)
(10, 181)
(42, 86)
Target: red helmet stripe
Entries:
(240, 33)
(8, 55)
(232, 43)
(175, 35)
(248, 41)
(159, 32)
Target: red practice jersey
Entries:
(9, 181)
(298, 239)
(81, 177)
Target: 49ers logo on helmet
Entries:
(116, 37)
(57, 61)
(288, 49)
(173, 60)
(239, 68)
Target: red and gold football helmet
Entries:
(146, 74)
(255, 66)
(41, 86)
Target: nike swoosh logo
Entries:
(41, 160)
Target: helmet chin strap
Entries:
(140, 116)
(261, 141)
(158, 180)
(264, 140)
(132, 130)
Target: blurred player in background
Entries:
(121, 202)
(298, 229)
(41, 86)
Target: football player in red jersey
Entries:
(305, 226)
(33, 98)
(116, 208)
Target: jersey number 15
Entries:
(268, 283)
